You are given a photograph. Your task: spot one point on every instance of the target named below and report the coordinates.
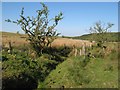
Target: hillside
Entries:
(83, 72)
(98, 73)
(20, 39)
(78, 41)
(14, 38)
(61, 67)
(111, 37)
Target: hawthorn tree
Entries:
(40, 33)
(99, 31)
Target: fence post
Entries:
(75, 52)
(83, 50)
(80, 52)
(10, 47)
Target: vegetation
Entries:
(40, 34)
(84, 72)
(100, 29)
(110, 37)
(21, 70)
(70, 71)
(81, 65)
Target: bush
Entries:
(23, 81)
(58, 54)
(26, 73)
(38, 29)
(17, 54)
(20, 71)
(97, 52)
(20, 74)
(62, 51)
(4, 58)
(46, 65)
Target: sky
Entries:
(78, 16)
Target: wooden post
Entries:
(80, 52)
(75, 52)
(83, 50)
(10, 47)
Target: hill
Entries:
(20, 39)
(83, 72)
(60, 67)
(110, 37)
(14, 38)
(78, 41)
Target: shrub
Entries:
(46, 65)
(26, 73)
(20, 74)
(62, 51)
(4, 58)
(56, 54)
(20, 71)
(38, 29)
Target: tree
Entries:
(99, 31)
(40, 33)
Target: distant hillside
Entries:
(15, 38)
(20, 39)
(10, 33)
(111, 37)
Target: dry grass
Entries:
(15, 39)
(71, 42)
(19, 39)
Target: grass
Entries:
(78, 41)
(14, 38)
(99, 72)
(75, 72)
(111, 37)
(20, 39)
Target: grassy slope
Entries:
(14, 38)
(113, 36)
(97, 74)
(11, 34)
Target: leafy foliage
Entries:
(25, 73)
(40, 33)
(100, 29)
(21, 71)
(19, 74)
